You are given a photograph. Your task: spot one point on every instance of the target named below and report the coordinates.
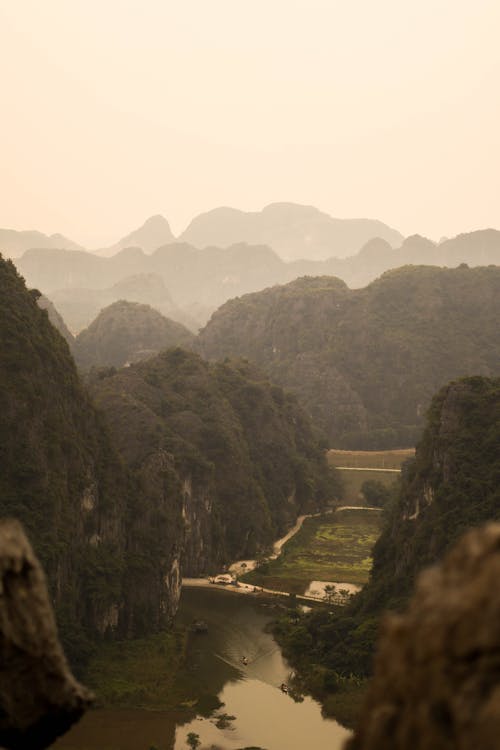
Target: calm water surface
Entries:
(264, 716)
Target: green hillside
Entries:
(365, 363)
(127, 332)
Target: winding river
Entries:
(264, 716)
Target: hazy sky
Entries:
(113, 110)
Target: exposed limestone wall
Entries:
(200, 549)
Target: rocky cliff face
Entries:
(451, 486)
(200, 550)
(39, 697)
(436, 669)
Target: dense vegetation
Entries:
(453, 484)
(60, 475)
(365, 363)
(244, 449)
(126, 332)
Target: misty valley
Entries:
(249, 375)
(224, 514)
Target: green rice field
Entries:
(335, 547)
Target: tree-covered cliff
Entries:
(452, 485)
(59, 473)
(366, 362)
(243, 451)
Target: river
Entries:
(265, 717)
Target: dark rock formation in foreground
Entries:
(437, 669)
(39, 697)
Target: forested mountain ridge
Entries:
(126, 332)
(366, 362)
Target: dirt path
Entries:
(244, 566)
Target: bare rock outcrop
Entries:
(437, 668)
(39, 697)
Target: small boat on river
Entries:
(284, 687)
(199, 626)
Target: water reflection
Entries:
(264, 715)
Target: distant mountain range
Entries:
(13, 243)
(154, 233)
(187, 284)
(291, 230)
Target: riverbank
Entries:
(329, 550)
(140, 673)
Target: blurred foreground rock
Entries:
(437, 668)
(39, 697)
